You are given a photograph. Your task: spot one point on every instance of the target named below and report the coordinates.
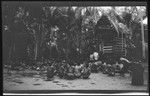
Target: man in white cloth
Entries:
(96, 55)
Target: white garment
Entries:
(96, 56)
(121, 66)
(91, 57)
(104, 64)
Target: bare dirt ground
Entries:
(33, 80)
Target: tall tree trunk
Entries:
(67, 49)
(14, 49)
(36, 47)
(36, 51)
(37, 42)
(10, 52)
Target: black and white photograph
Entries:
(47, 47)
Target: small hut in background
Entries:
(112, 41)
(115, 37)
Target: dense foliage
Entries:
(35, 32)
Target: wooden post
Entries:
(141, 14)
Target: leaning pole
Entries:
(143, 41)
(142, 34)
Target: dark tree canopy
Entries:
(33, 31)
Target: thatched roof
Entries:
(105, 22)
(109, 21)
